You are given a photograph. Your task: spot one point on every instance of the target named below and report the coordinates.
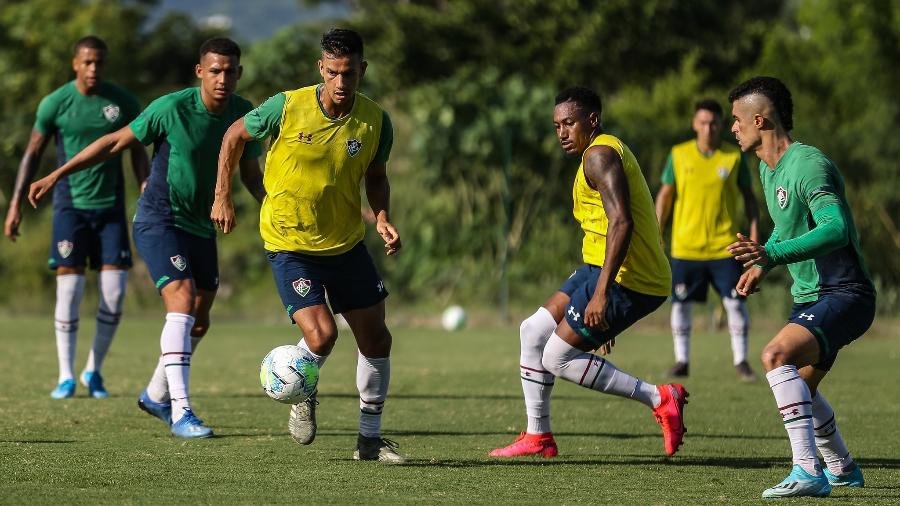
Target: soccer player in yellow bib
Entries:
(705, 178)
(327, 138)
(625, 277)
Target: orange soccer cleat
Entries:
(529, 444)
(670, 415)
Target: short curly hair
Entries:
(340, 42)
(586, 98)
(773, 89)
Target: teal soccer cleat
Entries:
(799, 484)
(161, 410)
(94, 383)
(190, 427)
(64, 390)
(852, 479)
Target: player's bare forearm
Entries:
(140, 164)
(751, 209)
(664, 200)
(98, 151)
(605, 173)
(28, 167)
(230, 153)
(378, 192)
(252, 178)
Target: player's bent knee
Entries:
(199, 329)
(774, 356)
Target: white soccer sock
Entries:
(537, 383)
(596, 373)
(158, 388)
(828, 437)
(795, 406)
(318, 359)
(372, 378)
(112, 292)
(681, 330)
(175, 344)
(69, 292)
(738, 322)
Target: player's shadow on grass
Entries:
(345, 395)
(38, 441)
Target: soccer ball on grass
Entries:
(287, 376)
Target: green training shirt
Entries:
(802, 184)
(76, 120)
(187, 139)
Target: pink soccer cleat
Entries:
(529, 444)
(670, 415)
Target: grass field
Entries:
(453, 398)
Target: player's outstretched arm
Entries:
(252, 177)
(378, 191)
(98, 151)
(222, 214)
(604, 172)
(27, 169)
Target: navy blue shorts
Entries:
(690, 278)
(836, 320)
(96, 235)
(171, 253)
(624, 307)
(350, 280)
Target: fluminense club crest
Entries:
(353, 147)
(782, 195)
(179, 262)
(723, 172)
(111, 113)
(302, 286)
(65, 248)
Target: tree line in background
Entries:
(481, 190)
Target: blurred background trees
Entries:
(481, 191)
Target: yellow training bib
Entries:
(645, 269)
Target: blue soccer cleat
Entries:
(64, 390)
(94, 383)
(161, 410)
(852, 479)
(190, 427)
(799, 484)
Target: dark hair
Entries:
(586, 98)
(220, 45)
(340, 42)
(774, 90)
(91, 42)
(708, 104)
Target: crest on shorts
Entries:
(111, 113)
(65, 248)
(680, 291)
(723, 172)
(781, 193)
(353, 147)
(179, 262)
(302, 286)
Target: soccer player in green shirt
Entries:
(89, 223)
(834, 298)
(172, 229)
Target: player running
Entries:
(327, 139)
(834, 298)
(172, 229)
(626, 276)
(705, 179)
(88, 208)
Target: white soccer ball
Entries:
(454, 318)
(287, 375)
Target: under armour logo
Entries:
(795, 412)
(380, 286)
(575, 316)
(808, 317)
(307, 138)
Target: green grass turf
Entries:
(453, 398)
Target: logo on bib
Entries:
(179, 262)
(353, 147)
(111, 113)
(65, 248)
(305, 138)
(723, 172)
(302, 286)
(781, 193)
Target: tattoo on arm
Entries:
(29, 166)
